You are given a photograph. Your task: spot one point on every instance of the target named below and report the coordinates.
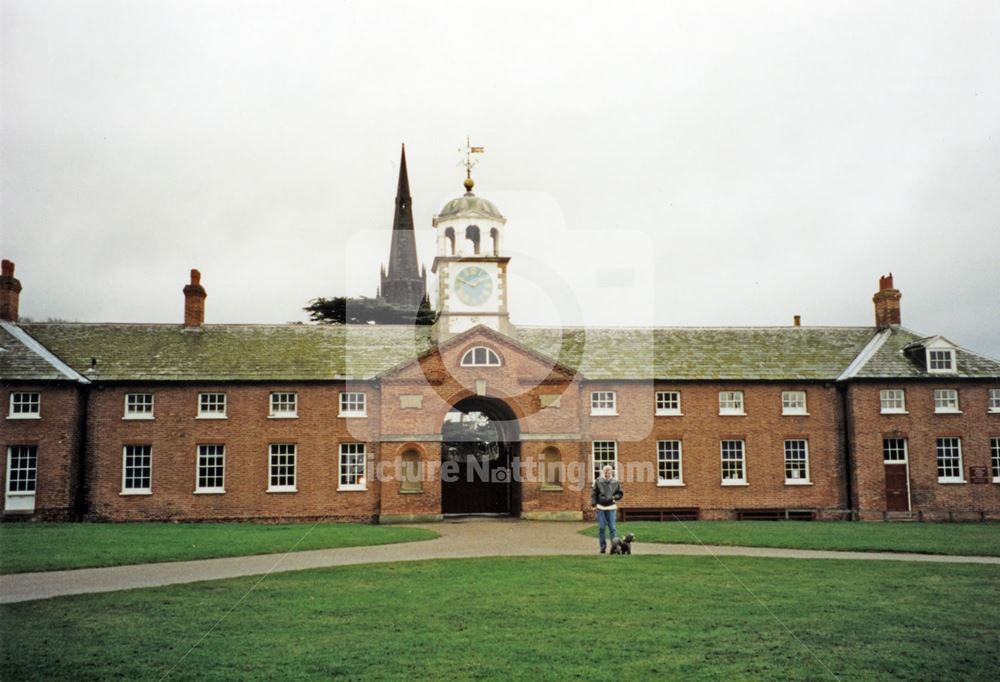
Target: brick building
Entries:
(476, 415)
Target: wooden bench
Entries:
(776, 514)
(659, 513)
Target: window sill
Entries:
(210, 491)
(411, 492)
(893, 412)
(24, 416)
(603, 414)
(352, 415)
(951, 481)
(735, 483)
(351, 489)
(797, 481)
(21, 493)
(283, 416)
(548, 488)
(212, 416)
(282, 490)
(669, 484)
(996, 479)
(732, 414)
(993, 410)
(668, 414)
(948, 412)
(135, 493)
(794, 414)
(137, 418)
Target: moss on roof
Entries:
(294, 352)
(149, 352)
(761, 353)
(18, 362)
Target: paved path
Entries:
(460, 538)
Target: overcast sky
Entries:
(683, 164)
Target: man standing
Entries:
(604, 497)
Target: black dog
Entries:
(619, 546)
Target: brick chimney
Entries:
(194, 301)
(797, 320)
(10, 292)
(886, 303)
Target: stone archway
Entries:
(480, 458)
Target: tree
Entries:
(364, 310)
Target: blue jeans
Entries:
(606, 518)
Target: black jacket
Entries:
(606, 492)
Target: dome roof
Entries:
(469, 206)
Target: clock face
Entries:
(473, 285)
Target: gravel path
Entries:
(459, 538)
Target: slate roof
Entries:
(692, 353)
(889, 361)
(165, 352)
(21, 359)
(293, 352)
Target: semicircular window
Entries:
(480, 356)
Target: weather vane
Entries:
(469, 162)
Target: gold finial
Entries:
(469, 162)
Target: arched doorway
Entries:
(479, 458)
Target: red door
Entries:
(897, 494)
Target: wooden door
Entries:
(897, 493)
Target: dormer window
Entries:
(940, 361)
(480, 356)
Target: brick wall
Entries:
(701, 430)
(57, 437)
(921, 426)
(248, 431)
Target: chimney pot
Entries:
(798, 320)
(194, 301)
(10, 292)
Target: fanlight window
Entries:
(480, 356)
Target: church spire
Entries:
(402, 282)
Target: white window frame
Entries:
(200, 455)
(742, 459)
(886, 449)
(132, 406)
(283, 405)
(731, 403)
(931, 361)
(668, 452)
(946, 401)
(278, 469)
(803, 459)
(603, 403)
(995, 458)
(888, 395)
(487, 358)
(958, 447)
(207, 399)
(598, 463)
(30, 483)
(25, 399)
(790, 405)
(663, 402)
(349, 404)
(137, 490)
(348, 453)
(993, 400)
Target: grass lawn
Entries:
(931, 538)
(54, 546)
(640, 617)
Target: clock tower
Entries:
(470, 265)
